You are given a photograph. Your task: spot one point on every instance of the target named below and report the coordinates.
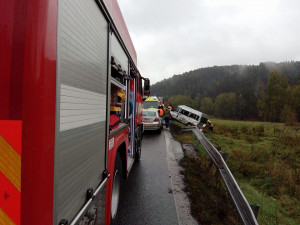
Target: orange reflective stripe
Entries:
(10, 172)
(11, 131)
(4, 219)
(10, 199)
(10, 163)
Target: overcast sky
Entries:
(176, 36)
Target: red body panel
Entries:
(111, 156)
(27, 90)
(28, 81)
(6, 39)
(139, 101)
(139, 110)
(38, 113)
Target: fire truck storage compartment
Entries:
(118, 53)
(81, 104)
(119, 74)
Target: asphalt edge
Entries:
(182, 202)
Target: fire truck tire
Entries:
(116, 187)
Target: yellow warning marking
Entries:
(4, 219)
(10, 163)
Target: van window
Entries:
(194, 116)
(176, 109)
(191, 115)
(184, 112)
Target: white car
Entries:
(152, 121)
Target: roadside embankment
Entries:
(210, 201)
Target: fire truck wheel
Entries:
(116, 187)
(138, 148)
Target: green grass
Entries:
(271, 210)
(179, 135)
(265, 159)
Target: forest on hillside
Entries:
(268, 91)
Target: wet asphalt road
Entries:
(146, 197)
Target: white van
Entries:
(188, 116)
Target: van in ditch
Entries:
(188, 116)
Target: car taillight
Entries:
(156, 119)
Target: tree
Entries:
(241, 103)
(288, 115)
(197, 101)
(207, 106)
(273, 101)
(182, 100)
(294, 99)
(285, 113)
(226, 105)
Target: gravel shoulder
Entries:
(182, 202)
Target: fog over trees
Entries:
(268, 91)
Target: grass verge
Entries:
(265, 160)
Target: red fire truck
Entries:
(71, 111)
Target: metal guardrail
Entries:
(237, 195)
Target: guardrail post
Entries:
(198, 143)
(255, 209)
(224, 155)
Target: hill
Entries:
(248, 83)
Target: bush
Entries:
(288, 116)
(277, 130)
(244, 129)
(222, 129)
(259, 131)
(291, 119)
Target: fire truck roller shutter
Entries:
(80, 106)
(118, 53)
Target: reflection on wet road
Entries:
(146, 197)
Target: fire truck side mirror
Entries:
(146, 87)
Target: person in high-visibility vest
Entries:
(210, 125)
(167, 115)
(160, 111)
